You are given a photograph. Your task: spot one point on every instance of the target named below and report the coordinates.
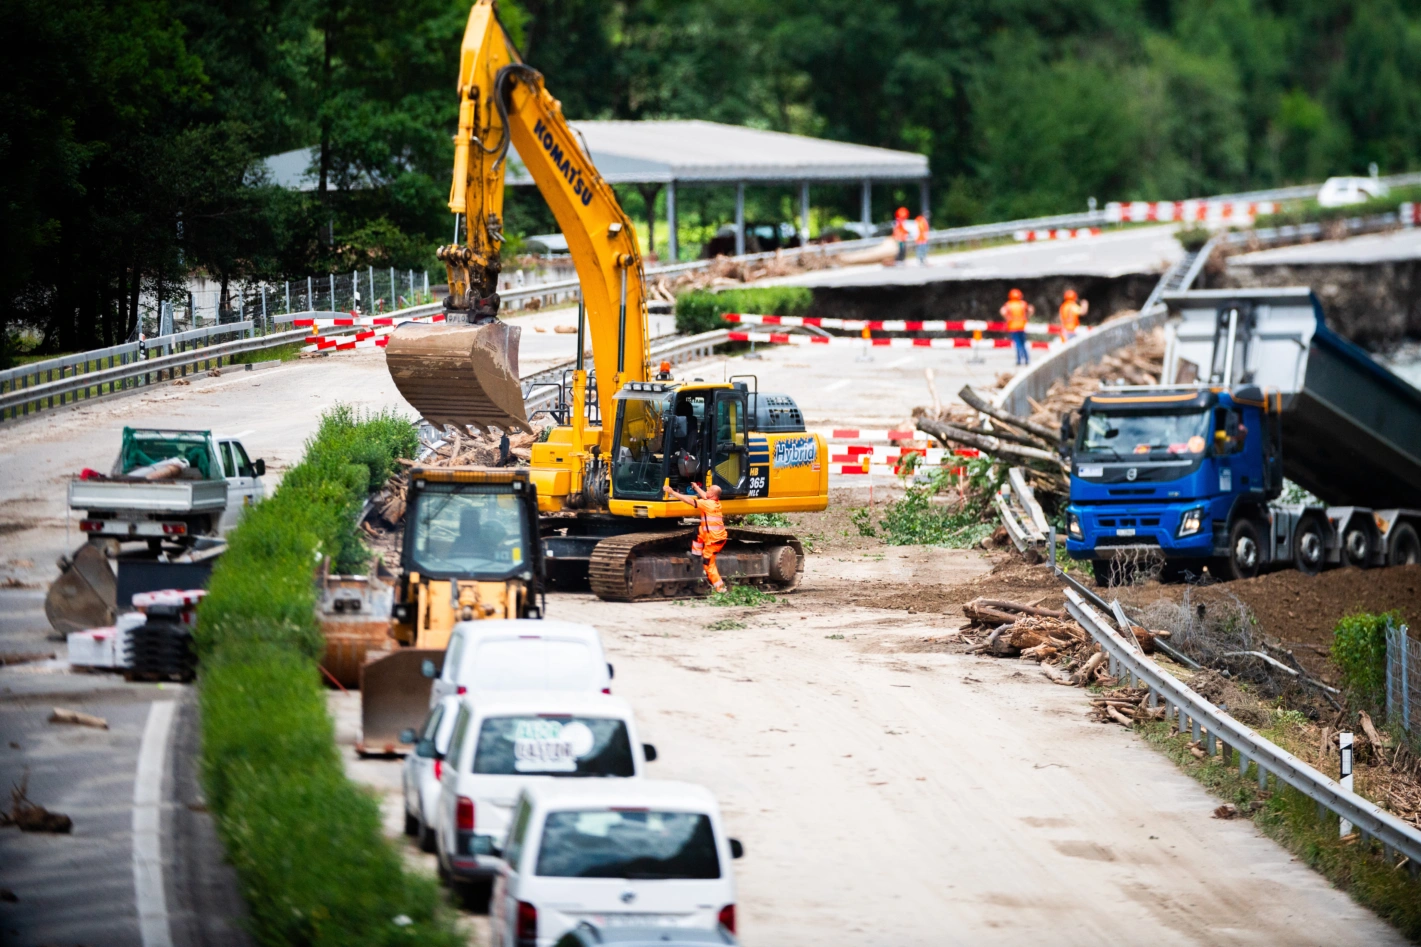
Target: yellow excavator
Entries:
(628, 432)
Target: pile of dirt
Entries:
(1299, 610)
(725, 271)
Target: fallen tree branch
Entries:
(975, 400)
(946, 433)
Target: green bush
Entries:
(1359, 649)
(700, 311)
(307, 844)
(916, 521)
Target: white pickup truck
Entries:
(166, 484)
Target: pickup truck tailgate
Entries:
(167, 496)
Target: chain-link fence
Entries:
(1403, 679)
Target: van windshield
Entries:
(601, 843)
(554, 746)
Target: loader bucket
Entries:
(85, 594)
(394, 695)
(460, 374)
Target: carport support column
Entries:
(671, 220)
(803, 213)
(739, 218)
(866, 204)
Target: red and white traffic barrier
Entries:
(891, 325)
(352, 321)
(374, 339)
(1034, 236)
(864, 434)
(784, 338)
(879, 462)
(1186, 211)
(1410, 214)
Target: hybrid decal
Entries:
(581, 189)
(795, 452)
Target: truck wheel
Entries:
(1244, 554)
(1405, 546)
(1356, 547)
(1100, 570)
(1309, 547)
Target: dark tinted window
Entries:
(627, 844)
(554, 746)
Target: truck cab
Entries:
(1179, 474)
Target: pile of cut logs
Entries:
(467, 448)
(1066, 653)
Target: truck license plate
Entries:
(1124, 532)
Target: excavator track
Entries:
(637, 567)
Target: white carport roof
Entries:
(697, 152)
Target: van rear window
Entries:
(601, 843)
(554, 746)
(544, 664)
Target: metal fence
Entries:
(1403, 679)
(1222, 735)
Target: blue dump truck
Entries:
(1190, 474)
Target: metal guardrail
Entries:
(1217, 730)
(138, 371)
(80, 362)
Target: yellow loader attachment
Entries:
(460, 374)
(394, 696)
(86, 593)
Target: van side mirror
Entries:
(407, 735)
(610, 672)
(428, 669)
(259, 465)
(736, 849)
(649, 751)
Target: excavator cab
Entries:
(668, 433)
(470, 551)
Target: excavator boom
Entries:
(503, 102)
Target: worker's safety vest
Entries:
(1070, 316)
(712, 523)
(922, 223)
(900, 231)
(1016, 315)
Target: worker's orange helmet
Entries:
(1070, 294)
(902, 213)
(1014, 294)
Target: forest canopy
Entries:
(133, 132)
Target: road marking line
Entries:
(149, 896)
(898, 362)
(838, 384)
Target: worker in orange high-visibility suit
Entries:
(1071, 311)
(1016, 311)
(900, 234)
(711, 537)
(922, 239)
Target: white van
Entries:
(504, 741)
(613, 853)
(423, 768)
(522, 655)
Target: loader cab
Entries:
(472, 524)
(680, 434)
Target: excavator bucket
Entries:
(86, 593)
(460, 374)
(394, 696)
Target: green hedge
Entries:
(700, 311)
(1359, 650)
(314, 865)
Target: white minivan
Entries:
(645, 852)
(504, 741)
(523, 655)
(423, 768)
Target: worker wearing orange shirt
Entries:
(1071, 311)
(900, 234)
(922, 238)
(1016, 311)
(711, 536)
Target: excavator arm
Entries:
(502, 101)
